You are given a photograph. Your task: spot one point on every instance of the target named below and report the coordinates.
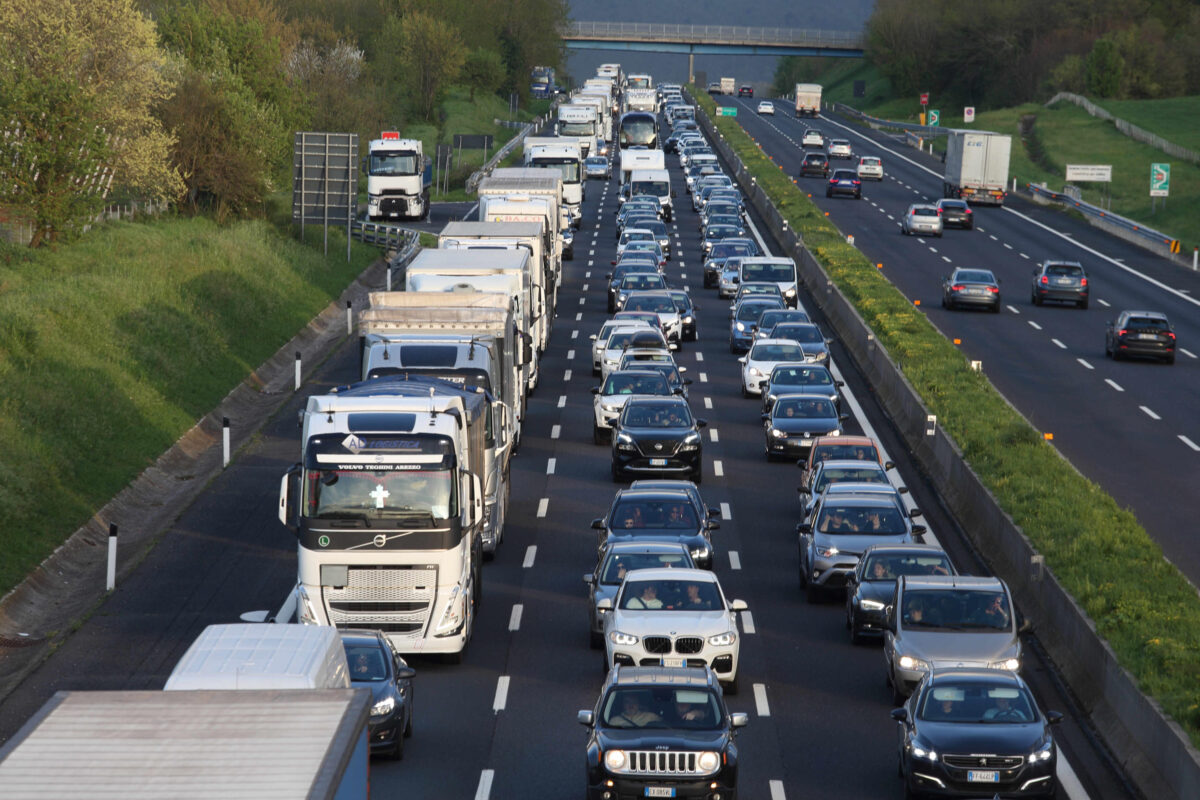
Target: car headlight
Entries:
(778, 434)
(708, 761)
(723, 639)
(755, 372)
(908, 662)
(621, 297)
(871, 605)
(615, 760)
(699, 553)
(929, 754)
(827, 552)
(689, 319)
(790, 292)
(1043, 753)
(1010, 664)
(385, 706)
(606, 406)
(741, 327)
(623, 639)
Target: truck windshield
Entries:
(639, 130)
(768, 272)
(577, 129)
(569, 169)
(393, 163)
(653, 188)
(373, 494)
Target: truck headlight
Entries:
(623, 639)
(615, 760)
(454, 616)
(384, 707)
(723, 639)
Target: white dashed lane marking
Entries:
(718, 469)
(725, 512)
(514, 621)
(735, 561)
(501, 694)
(1034, 325)
(543, 506)
(551, 463)
(1060, 344)
(530, 556)
(1085, 364)
(1149, 413)
(1114, 384)
(1189, 443)
(760, 700)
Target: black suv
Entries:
(663, 511)
(746, 91)
(815, 164)
(661, 732)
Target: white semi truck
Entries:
(387, 505)
(566, 156)
(508, 197)
(398, 178)
(578, 121)
(641, 100)
(977, 166)
(808, 100)
(604, 104)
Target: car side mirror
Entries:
(715, 513)
(588, 579)
(740, 720)
(738, 605)
(839, 384)
(889, 620)
(608, 275)
(712, 525)
(593, 337)
(919, 530)
(405, 673)
(586, 718)
(843, 417)
(598, 524)
(1023, 623)
(673, 194)
(701, 423)
(902, 490)
(901, 714)
(595, 390)
(687, 381)
(889, 465)
(742, 360)
(766, 417)
(913, 513)
(804, 527)
(1054, 717)
(605, 604)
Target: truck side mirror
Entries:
(289, 492)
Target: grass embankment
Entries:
(113, 346)
(1098, 551)
(1172, 118)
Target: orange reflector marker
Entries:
(826, 213)
(958, 341)
(916, 302)
(1049, 437)
(879, 266)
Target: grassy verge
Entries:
(114, 346)
(1098, 551)
(1173, 118)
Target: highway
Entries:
(1130, 426)
(502, 724)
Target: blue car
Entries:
(744, 319)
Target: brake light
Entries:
(833, 180)
(1172, 335)
(994, 289)
(856, 182)
(1083, 281)
(913, 212)
(1122, 332)
(968, 211)
(1045, 280)
(939, 212)
(958, 287)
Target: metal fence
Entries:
(712, 34)
(383, 235)
(1134, 231)
(1127, 128)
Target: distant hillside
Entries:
(849, 15)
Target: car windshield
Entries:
(856, 452)
(719, 231)
(366, 662)
(804, 408)
(659, 305)
(670, 595)
(1064, 271)
(660, 707)
(974, 702)
(597, 161)
(848, 474)
(776, 352)
(798, 332)
(727, 249)
(639, 282)
(621, 338)
(657, 415)
(750, 311)
(801, 376)
(957, 609)
(974, 276)
(617, 564)
(890, 566)
(642, 513)
(838, 519)
(635, 384)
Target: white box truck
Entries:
(262, 656)
(728, 86)
(566, 156)
(578, 121)
(640, 159)
(977, 166)
(641, 100)
(808, 100)
(398, 178)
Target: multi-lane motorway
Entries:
(1130, 426)
(502, 724)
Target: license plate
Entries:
(674, 662)
(1147, 336)
(1063, 281)
(987, 776)
(658, 462)
(976, 291)
(659, 791)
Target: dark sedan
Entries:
(956, 212)
(976, 288)
(800, 379)
(375, 665)
(660, 514)
(657, 436)
(844, 181)
(1059, 280)
(1140, 333)
(975, 733)
(808, 336)
(795, 420)
(617, 276)
(815, 165)
(870, 588)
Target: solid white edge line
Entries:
(530, 556)
(501, 694)
(485, 784)
(514, 621)
(760, 700)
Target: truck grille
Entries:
(983, 762)
(397, 600)
(661, 764)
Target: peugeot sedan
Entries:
(795, 421)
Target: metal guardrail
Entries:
(382, 234)
(711, 34)
(1157, 239)
(527, 128)
(927, 131)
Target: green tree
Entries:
(1104, 69)
(427, 57)
(483, 70)
(77, 85)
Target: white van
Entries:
(263, 656)
(656, 183)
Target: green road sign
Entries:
(726, 111)
(1160, 180)
(934, 116)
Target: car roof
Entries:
(671, 399)
(700, 677)
(806, 396)
(773, 341)
(656, 493)
(639, 546)
(905, 548)
(975, 675)
(848, 463)
(856, 488)
(673, 484)
(359, 636)
(673, 573)
(922, 582)
(850, 440)
(864, 501)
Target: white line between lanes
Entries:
(501, 694)
(708, 403)
(699, 355)
(562, 401)
(725, 512)
(1014, 309)
(578, 316)
(1104, 303)
(1060, 344)
(1114, 384)
(713, 435)
(574, 334)
(567, 376)
(1085, 364)
(704, 377)
(760, 700)
(530, 555)
(1034, 325)
(551, 463)
(735, 560)
(1149, 413)
(514, 622)
(485, 784)
(1189, 443)
(718, 469)
(543, 506)
(748, 624)
(1187, 352)
(777, 790)
(570, 355)
(556, 431)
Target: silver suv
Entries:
(949, 621)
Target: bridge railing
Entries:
(712, 34)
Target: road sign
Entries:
(969, 114)
(924, 98)
(934, 117)
(1099, 173)
(726, 111)
(1160, 180)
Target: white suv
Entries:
(673, 617)
(812, 138)
(840, 148)
(870, 167)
